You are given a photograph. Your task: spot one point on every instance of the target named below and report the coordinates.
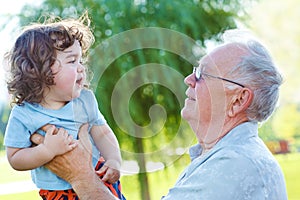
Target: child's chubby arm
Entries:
(56, 142)
(108, 145)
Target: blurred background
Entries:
(146, 116)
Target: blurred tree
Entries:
(286, 121)
(4, 113)
(281, 26)
(123, 77)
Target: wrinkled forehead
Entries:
(223, 58)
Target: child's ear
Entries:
(55, 67)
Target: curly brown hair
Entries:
(34, 52)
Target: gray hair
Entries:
(257, 71)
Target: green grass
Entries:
(10, 175)
(160, 181)
(290, 166)
(33, 195)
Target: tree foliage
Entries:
(276, 23)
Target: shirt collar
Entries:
(244, 130)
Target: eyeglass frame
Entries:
(198, 75)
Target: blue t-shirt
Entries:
(239, 167)
(26, 119)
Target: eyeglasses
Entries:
(199, 73)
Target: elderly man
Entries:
(235, 87)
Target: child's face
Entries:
(69, 75)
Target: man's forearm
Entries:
(90, 187)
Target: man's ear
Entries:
(240, 102)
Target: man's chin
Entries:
(185, 114)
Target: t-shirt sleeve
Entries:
(16, 133)
(94, 114)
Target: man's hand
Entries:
(76, 161)
(76, 168)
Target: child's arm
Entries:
(108, 145)
(33, 157)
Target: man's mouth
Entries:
(190, 98)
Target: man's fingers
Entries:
(83, 132)
(83, 137)
(37, 138)
(50, 130)
(46, 128)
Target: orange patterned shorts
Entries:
(70, 194)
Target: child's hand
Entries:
(58, 141)
(110, 171)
